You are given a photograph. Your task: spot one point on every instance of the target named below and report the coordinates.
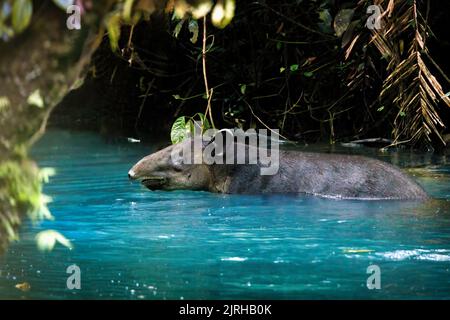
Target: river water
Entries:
(131, 243)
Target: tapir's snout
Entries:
(131, 175)
(162, 171)
(142, 168)
(150, 172)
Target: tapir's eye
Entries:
(177, 165)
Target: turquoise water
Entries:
(131, 243)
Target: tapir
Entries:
(335, 176)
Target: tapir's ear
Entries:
(208, 137)
(219, 142)
(206, 142)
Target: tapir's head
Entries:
(166, 170)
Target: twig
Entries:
(257, 118)
(293, 21)
(205, 78)
(150, 85)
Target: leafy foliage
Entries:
(310, 68)
(21, 14)
(21, 191)
(184, 128)
(15, 15)
(131, 12)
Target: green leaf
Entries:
(178, 132)
(126, 13)
(46, 240)
(282, 69)
(178, 27)
(402, 113)
(243, 88)
(46, 173)
(223, 13)
(327, 19)
(190, 128)
(342, 21)
(380, 109)
(279, 45)
(42, 212)
(200, 9)
(204, 121)
(308, 74)
(293, 67)
(113, 23)
(35, 99)
(193, 28)
(4, 103)
(21, 14)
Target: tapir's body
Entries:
(326, 175)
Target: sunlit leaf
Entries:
(201, 9)
(308, 74)
(4, 103)
(35, 99)
(178, 27)
(126, 14)
(21, 14)
(46, 173)
(47, 239)
(42, 211)
(113, 23)
(223, 13)
(178, 132)
(181, 8)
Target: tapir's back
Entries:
(329, 175)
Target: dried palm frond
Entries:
(410, 86)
